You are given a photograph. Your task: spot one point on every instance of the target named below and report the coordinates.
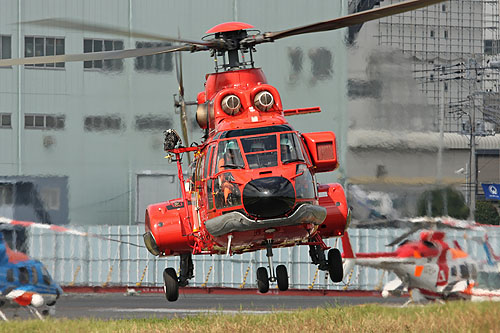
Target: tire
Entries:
(262, 280)
(171, 286)
(335, 268)
(282, 277)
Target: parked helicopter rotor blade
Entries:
(57, 228)
(348, 20)
(106, 55)
(100, 28)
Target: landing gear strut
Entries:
(281, 276)
(187, 267)
(172, 282)
(333, 265)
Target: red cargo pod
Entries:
(322, 149)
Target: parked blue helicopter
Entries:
(25, 283)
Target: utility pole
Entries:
(473, 178)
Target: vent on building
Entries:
(152, 122)
(103, 123)
(49, 141)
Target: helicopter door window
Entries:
(473, 272)
(34, 274)
(24, 276)
(208, 158)
(261, 151)
(227, 194)
(10, 275)
(453, 271)
(464, 272)
(290, 150)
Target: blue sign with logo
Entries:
(491, 191)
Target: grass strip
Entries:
(451, 317)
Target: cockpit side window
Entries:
(229, 156)
(290, 150)
(46, 277)
(453, 271)
(24, 276)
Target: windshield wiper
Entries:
(233, 166)
(293, 160)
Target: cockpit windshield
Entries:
(260, 151)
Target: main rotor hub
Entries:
(232, 33)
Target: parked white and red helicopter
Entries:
(428, 268)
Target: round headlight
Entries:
(263, 100)
(231, 104)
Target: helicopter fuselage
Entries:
(252, 181)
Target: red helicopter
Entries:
(252, 183)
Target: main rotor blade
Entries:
(352, 19)
(80, 25)
(107, 55)
(178, 71)
(414, 229)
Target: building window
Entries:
(51, 197)
(5, 120)
(6, 194)
(43, 46)
(153, 63)
(5, 47)
(103, 123)
(432, 33)
(443, 7)
(322, 63)
(101, 45)
(152, 123)
(44, 121)
(446, 34)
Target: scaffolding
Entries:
(447, 42)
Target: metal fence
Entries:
(75, 260)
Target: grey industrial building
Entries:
(88, 136)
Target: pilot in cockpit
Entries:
(286, 148)
(230, 159)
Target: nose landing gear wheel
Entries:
(262, 280)
(335, 268)
(171, 286)
(282, 277)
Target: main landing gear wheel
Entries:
(335, 268)
(262, 280)
(171, 286)
(282, 277)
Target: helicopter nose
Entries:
(268, 197)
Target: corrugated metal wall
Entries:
(93, 262)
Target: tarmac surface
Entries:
(122, 306)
